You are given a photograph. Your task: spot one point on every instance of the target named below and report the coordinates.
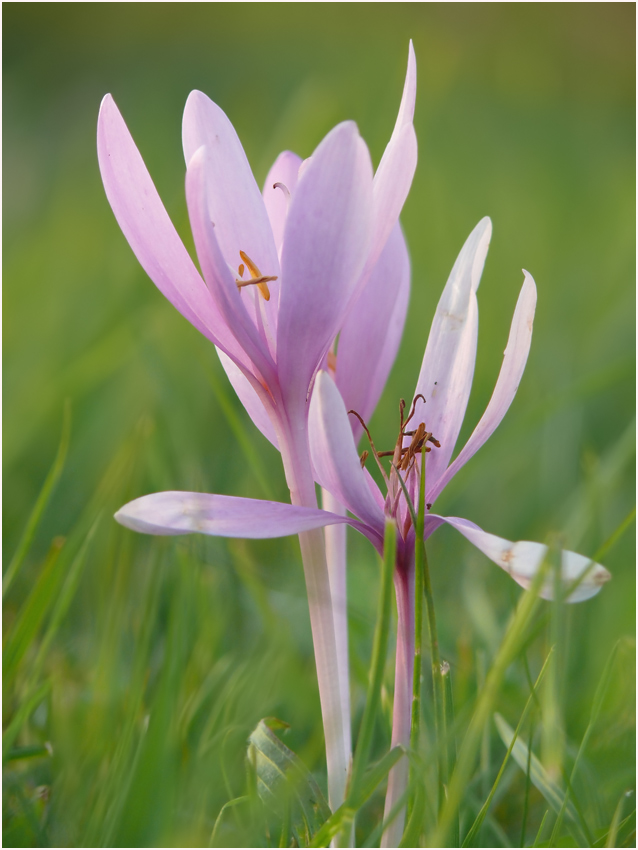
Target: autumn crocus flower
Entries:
(434, 421)
(281, 271)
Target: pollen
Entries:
(256, 277)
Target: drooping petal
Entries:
(325, 246)
(448, 364)
(249, 398)
(235, 203)
(285, 171)
(148, 229)
(512, 368)
(334, 455)
(218, 275)
(177, 512)
(371, 333)
(523, 559)
(393, 177)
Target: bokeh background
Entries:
(165, 654)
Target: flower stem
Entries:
(296, 459)
(379, 648)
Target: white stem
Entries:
(296, 459)
(335, 538)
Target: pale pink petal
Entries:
(371, 334)
(219, 277)
(177, 512)
(284, 172)
(334, 455)
(325, 246)
(249, 398)
(235, 203)
(393, 177)
(448, 364)
(523, 559)
(514, 360)
(148, 229)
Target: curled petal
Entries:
(370, 336)
(177, 512)
(150, 232)
(447, 370)
(335, 458)
(512, 368)
(325, 245)
(523, 559)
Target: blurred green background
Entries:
(525, 112)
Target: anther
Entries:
(363, 458)
(257, 278)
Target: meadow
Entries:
(137, 667)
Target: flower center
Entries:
(256, 277)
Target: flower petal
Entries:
(371, 333)
(235, 203)
(448, 363)
(177, 512)
(334, 455)
(325, 246)
(249, 398)
(148, 229)
(285, 170)
(514, 360)
(523, 559)
(218, 275)
(393, 177)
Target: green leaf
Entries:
(284, 783)
(550, 791)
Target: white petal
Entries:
(523, 559)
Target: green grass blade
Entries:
(508, 649)
(550, 791)
(229, 805)
(472, 835)
(599, 696)
(21, 716)
(377, 664)
(33, 611)
(41, 503)
(345, 814)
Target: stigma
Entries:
(256, 277)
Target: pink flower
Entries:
(281, 273)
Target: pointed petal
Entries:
(325, 245)
(523, 559)
(176, 512)
(514, 360)
(285, 170)
(370, 337)
(334, 454)
(234, 201)
(448, 364)
(249, 398)
(217, 273)
(393, 177)
(148, 229)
